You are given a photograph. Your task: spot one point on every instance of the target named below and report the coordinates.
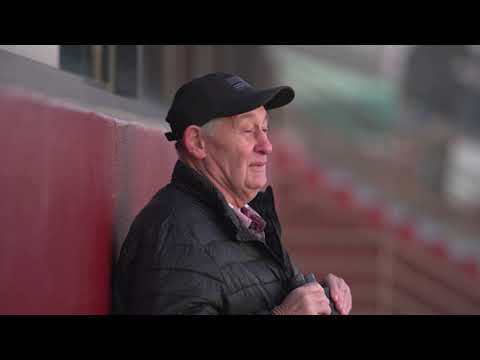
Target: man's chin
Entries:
(258, 186)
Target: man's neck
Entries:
(229, 196)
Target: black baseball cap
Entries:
(219, 95)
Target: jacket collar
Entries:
(202, 189)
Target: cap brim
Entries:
(278, 97)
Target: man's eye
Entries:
(248, 130)
(265, 129)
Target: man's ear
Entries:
(194, 142)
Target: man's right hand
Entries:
(308, 299)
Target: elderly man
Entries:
(209, 242)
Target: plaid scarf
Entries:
(257, 223)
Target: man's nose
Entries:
(263, 145)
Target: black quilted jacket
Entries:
(188, 253)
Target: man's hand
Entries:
(340, 293)
(309, 299)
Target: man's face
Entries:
(237, 153)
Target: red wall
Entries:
(71, 183)
(56, 209)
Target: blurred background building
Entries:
(378, 159)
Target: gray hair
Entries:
(207, 129)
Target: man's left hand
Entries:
(340, 293)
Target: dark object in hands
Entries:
(311, 278)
